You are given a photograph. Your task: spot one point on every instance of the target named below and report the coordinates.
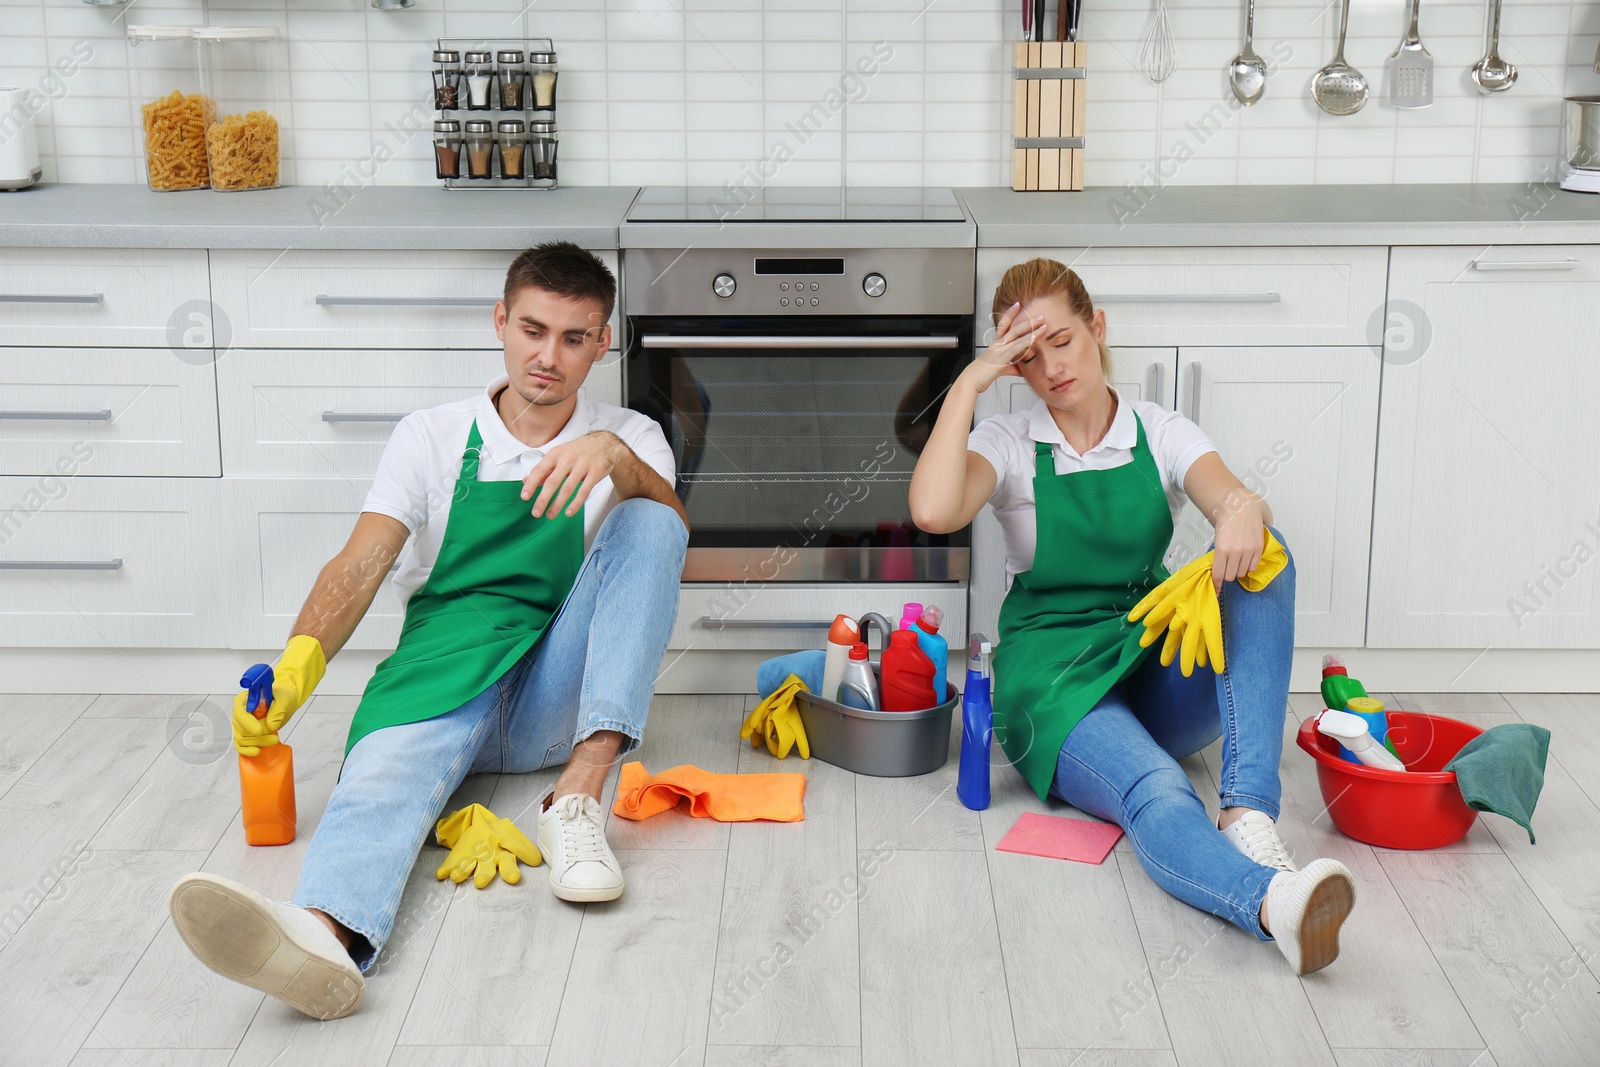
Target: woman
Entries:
(1087, 486)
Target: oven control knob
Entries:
(874, 284)
(724, 285)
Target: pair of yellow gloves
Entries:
(777, 720)
(483, 844)
(1185, 607)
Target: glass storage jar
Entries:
(447, 148)
(480, 148)
(542, 153)
(480, 81)
(242, 71)
(513, 77)
(513, 140)
(173, 111)
(542, 78)
(446, 79)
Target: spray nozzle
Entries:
(979, 650)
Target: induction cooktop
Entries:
(728, 203)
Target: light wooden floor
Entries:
(884, 929)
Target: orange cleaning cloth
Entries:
(723, 797)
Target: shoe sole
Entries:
(1329, 906)
(585, 896)
(237, 935)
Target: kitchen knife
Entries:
(1061, 21)
(1038, 20)
(1027, 20)
(1075, 10)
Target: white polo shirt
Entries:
(1006, 441)
(417, 475)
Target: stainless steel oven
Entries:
(797, 384)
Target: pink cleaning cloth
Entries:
(1061, 839)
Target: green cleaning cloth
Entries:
(1502, 770)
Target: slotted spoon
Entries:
(1411, 69)
(1339, 88)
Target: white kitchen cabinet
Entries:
(296, 413)
(1299, 427)
(1216, 296)
(114, 411)
(1137, 374)
(734, 615)
(1486, 521)
(312, 298)
(110, 562)
(129, 297)
(278, 534)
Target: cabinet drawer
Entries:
(1216, 296)
(128, 297)
(109, 562)
(116, 411)
(729, 615)
(360, 299)
(297, 413)
(278, 535)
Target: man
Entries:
(543, 543)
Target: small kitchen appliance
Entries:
(19, 144)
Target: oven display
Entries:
(799, 266)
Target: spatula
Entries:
(1411, 69)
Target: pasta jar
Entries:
(542, 77)
(173, 111)
(242, 71)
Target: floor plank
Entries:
(469, 1056)
(1098, 1057)
(29, 725)
(933, 998)
(921, 812)
(1416, 1057)
(781, 1056)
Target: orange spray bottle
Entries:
(266, 781)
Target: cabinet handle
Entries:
(1189, 298)
(660, 340)
(60, 564)
(363, 416)
(709, 623)
(61, 416)
(52, 298)
(1552, 264)
(1194, 393)
(408, 301)
(1157, 383)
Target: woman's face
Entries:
(1063, 365)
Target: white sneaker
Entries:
(572, 838)
(1256, 835)
(1306, 909)
(277, 948)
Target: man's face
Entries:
(550, 342)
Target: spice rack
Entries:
(1047, 115)
(494, 103)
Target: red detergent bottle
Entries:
(907, 674)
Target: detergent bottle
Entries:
(1339, 689)
(934, 647)
(842, 636)
(977, 728)
(859, 688)
(266, 781)
(907, 674)
(909, 615)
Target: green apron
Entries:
(500, 578)
(1065, 639)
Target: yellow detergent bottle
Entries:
(266, 781)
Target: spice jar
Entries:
(542, 153)
(513, 79)
(513, 140)
(480, 148)
(480, 80)
(447, 148)
(174, 112)
(542, 71)
(446, 80)
(241, 70)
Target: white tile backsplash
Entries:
(705, 91)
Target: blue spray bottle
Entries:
(977, 728)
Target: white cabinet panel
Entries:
(334, 299)
(100, 296)
(730, 615)
(1487, 513)
(279, 535)
(1215, 296)
(107, 411)
(1298, 426)
(109, 562)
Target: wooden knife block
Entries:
(1047, 110)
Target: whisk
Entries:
(1158, 58)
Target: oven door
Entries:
(795, 439)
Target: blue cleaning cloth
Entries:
(808, 665)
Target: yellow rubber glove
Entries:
(482, 844)
(1161, 603)
(1273, 559)
(295, 676)
(777, 721)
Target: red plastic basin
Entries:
(1420, 808)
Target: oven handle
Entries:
(708, 622)
(665, 340)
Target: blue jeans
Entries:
(1120, 761)
(595, 669)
